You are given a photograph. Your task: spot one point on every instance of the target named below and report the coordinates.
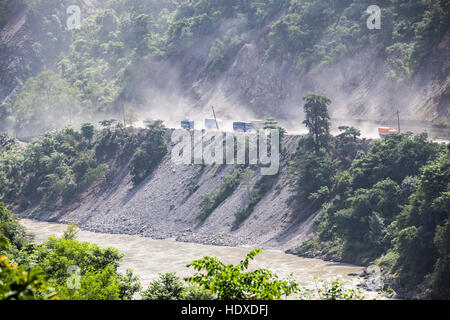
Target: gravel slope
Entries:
(162, 208)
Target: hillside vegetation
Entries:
(100, 68)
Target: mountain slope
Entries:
(248, 59)
(163, 206)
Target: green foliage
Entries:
(393, 202)
(129, 285)
(311, 166)
(97, 270)
(52, 37)
(12, 230)
(231, 282)
(347, 145)
(87, 130)
(18, 283)
(323, 32)
(56, 255)
(211, 201)
(317, 119)
(170, 287)
(422, 238)
(54, 168)
(71, 231)
(100, 284)
(151, 151)
(259, 190)
(312, 172)
(167, 287)
(441, 274)
(194, 292)
(97, 173)
(45, 102)
(7, 143)
(397, 157)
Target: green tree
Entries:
(422, 239)
(12, 230)
(129, 285)
(71, 231)
(149, 154)
(317, 119)
(100, 284)
(167, 287)
(312, 172)
(87, 129)
(55, 256)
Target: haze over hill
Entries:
(173, 60)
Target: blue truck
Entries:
(187, 124)
(242, 126)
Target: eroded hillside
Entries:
(166, 205)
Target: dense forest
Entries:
(388, 204)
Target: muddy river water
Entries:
(148, 257)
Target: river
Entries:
(147, 257)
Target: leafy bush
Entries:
(46, 270)
(211, 201)
(12, 230)
(19, 283)
(151, 151)
(56, 255)
(170, 287)
(230, 282)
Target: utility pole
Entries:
(398, 120)
(215, 119)
(123, 113)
